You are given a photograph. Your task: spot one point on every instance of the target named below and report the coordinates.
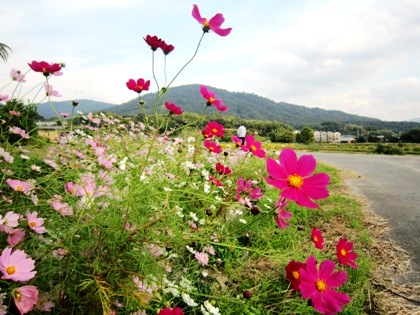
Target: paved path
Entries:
(392, 185)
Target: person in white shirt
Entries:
(241, 133)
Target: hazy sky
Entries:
(358, 56)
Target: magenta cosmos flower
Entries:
(139, 85)
(213, 128)
(211, 99)
(317, 239)
(253, 146)
(171, 311)
(16, 266)
(293, 273)
(45, 67)
(173, 109)
(25, 298)
(344, 254)
(153, 41)
(319, 285)
(293, 177)
(212, 146)
(213, 24)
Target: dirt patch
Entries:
(391, 262)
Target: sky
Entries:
(358, 56)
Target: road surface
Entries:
(392, 186)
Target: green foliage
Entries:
(16, 114)
(306, 135)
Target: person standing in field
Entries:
(241, 133)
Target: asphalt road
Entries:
(392, 186)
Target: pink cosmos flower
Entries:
(211, 99)
(245, 191)
(46, 68)
(107, 161)
(14, 113)
(16, 266)
(17, 75)
(237, 140)
(212, 146)
(293, 177)
(213, 24)
(15, 237)
(203, 258)
(25, 298)
(62, 207)
(18, 185)
(253, 146)
(293, 273)
(35, 223)
(215, 181)
(222, 169)
(19, 131)
(282, 215)
(213, 128)
(139, 85)
(9, 221)
(344, 254)
(171, 311)
(50, 91)
(173, 109)
(319, 286)
(316, 236)
(3, 97)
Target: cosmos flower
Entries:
(35, 223)
(17, 75)
(222, 169)
(16, 266)
(293, 177)
(253, 146)
(50, 91)
(211, 99)
(213, 24)
(46, 68)
(167, 49)
(139, 85)
(316, 236)
(153, 41)
(212, 146)
(213, 128)
(293, 273)
(173, 109)
(319, 286)
(344, 254)
(25, 298)
(171, 311)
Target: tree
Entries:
(4, 54)
(306, 135)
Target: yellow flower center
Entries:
(211, 99)
(18, 296)
(315, 238)
(295, 275)
(19, 188)
(343, 252)
(253, 148)
(214, 130)
(295, 180)
(11, 270)
(321, 285)
(32, 224)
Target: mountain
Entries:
(415, 119)
(251, 106)
(86, 106)
(244, 105)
